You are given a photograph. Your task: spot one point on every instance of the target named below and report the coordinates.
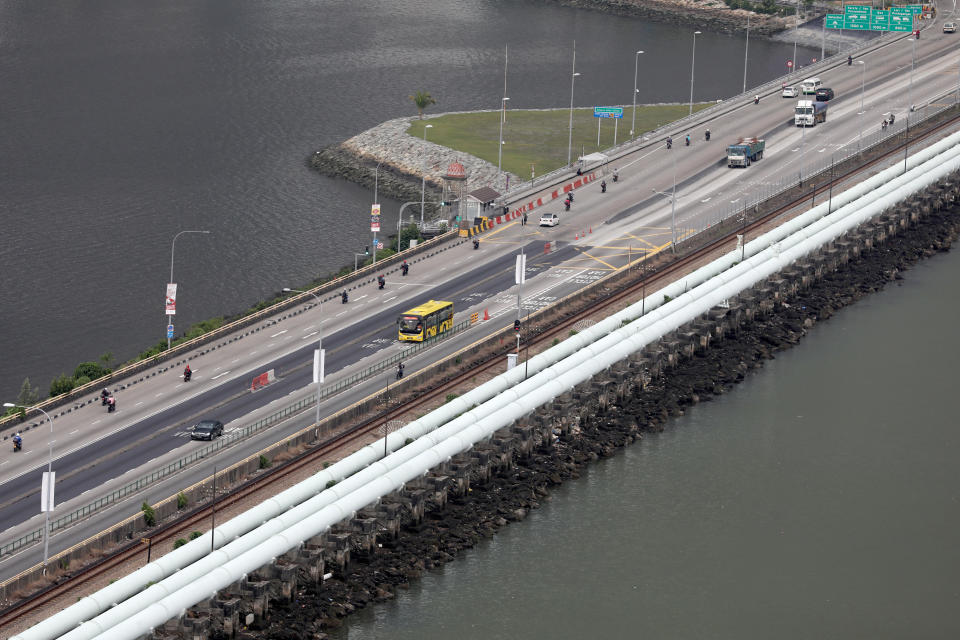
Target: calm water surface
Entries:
(126, 122)
(819, 499)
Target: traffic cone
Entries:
(486, 315)
(576, 236)
(591, 229)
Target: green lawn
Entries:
(539, 138)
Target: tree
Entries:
(60, 385)
(28, 395)
(423, 100)
(91, 370)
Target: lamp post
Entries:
(673, 208)
(573, 77)
(633, 123)
(173, 246)
(376, 182)
(319, 373)
(693, 60)
(796, 30)
(48, 507)
(745, 50)
(913, 56)
(503, 115)
(863, 80)
(423, 179)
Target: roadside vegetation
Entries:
(535, 142)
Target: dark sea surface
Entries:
(123, 123)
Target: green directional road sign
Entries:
(608, 112)
(880, 20)
(901, 19)
(834, 20)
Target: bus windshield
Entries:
(411, 324)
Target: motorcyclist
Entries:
(883, 125)
(399, 370)
(111, 404)
(688, 139)
(103, 397)
(706, 135)
(343, 297)
(669, 142)
(17, 442)
(566, 204)
(187, 373)
(570, 196)
(404, 268)
(616, 176)
(849, 60)
(381, 281)
(476, 243)
(603, 186)
(756, 99)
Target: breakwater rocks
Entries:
(712, 15)
(437, 517)
(404, 160)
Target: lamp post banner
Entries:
(171, 303)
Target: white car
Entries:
(549, 220)
(789, 92)
(949, 27)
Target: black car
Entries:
(824, 94)
(207, 430)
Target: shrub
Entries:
(451, 397)
(61, 384)
(149, 515)
(330, 483)
(556, 341)
(179, 542)
(264, 462)
(182, 500)
(91, 370)
(195, 535)
(407, 441)
(573, 332)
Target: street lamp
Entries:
(376, 182)
(572, 78)
(319, 373)
(503, 115)
(745, 50)
(48, 505)
(673, 207)
(173, 246)
(633, 123)
(863, 79)
(423, 179)
(692, 62)
(796, 29)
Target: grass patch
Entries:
(539, 138)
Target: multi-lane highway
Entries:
(601, 233)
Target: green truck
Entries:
(745, 151)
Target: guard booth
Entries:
(479, 204)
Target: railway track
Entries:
(663, 271)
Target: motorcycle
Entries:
(687, 139)
(849, 61)
(103, 397)
(17, 444)
(603, 186)
(756, 99)
(566, 205)
(476, 244)
(404, 268)
(380, 282)
(706, 135)
(399, 370)
(570, 196)
(111, 404)
(187, 373)
(615, 176)
(343, 298)
(669, 143)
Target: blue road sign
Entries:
(169, 330)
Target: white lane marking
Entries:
(389, 299)
(339, 314)
(252, 352)
(278, 333)
(706, 199)
(158, 395)
(73, 432)
(235, 360)
(218, 375)
(95, 422)
(312, 333)
(4, 462)
(361, 297)
(138, 404)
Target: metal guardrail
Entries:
(225, 441)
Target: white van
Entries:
(810, 86)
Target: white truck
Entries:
(809, 112)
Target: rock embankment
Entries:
(404, 160)
(712, 15)
(466, 519)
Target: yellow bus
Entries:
(426, 321)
